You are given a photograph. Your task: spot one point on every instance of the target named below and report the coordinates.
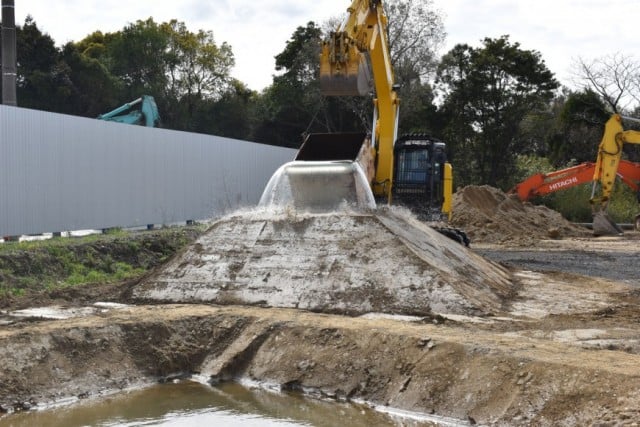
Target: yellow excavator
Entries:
(356, 61)
(606, 170)
(334, 168)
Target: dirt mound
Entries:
(351, 264)
(489, 215)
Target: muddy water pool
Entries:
(191, 404)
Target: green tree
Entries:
(231, 115)
(487, 91)
(138, 56)
(293, 105)
(43, 79)
(578, 129)
(415, 34)
(92, 89)
(186, 72)
(418, 112)
(198, 69)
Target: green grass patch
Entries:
(95, 259)
(118, 271)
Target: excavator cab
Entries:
(419, 175)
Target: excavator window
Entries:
(418, 174)
(413, 166)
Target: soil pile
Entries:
(349, 264)
(489, 215)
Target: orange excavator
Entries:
(602, 174)
(542, 184)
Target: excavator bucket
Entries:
(318, 187)
(340, 146)
(350, 77)
(331, 146)
(603, 225)
(327, 175)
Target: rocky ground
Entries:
(562, 347)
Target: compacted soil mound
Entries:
(351, 264)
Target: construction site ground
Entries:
(562, 348)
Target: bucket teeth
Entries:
(603, 225)
(340, 86)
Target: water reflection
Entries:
(191, 404)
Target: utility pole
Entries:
(9, 70)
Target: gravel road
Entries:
(614, 259)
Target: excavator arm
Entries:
(609, 158)
(142, 111)
(350, 57)
(606, 169)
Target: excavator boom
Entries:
(606, 169)
(542, 184)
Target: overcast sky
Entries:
(561, 30)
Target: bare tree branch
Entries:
(616, 78)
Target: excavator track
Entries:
(454, 234)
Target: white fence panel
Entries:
(60, 172)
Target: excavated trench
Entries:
(427, 365)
